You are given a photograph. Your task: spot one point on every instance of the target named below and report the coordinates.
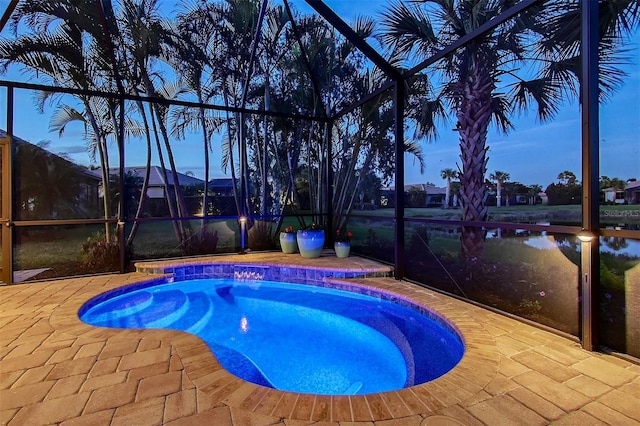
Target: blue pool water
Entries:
(292, 337)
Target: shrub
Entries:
(98, 254)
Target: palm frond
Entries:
(545, 93)
(64, 115)
(412, 147)
(406, 28)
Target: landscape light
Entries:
(243, 224)
(586, 236)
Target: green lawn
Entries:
(522, 213)
(61, 245)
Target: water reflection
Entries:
(536, 275)
(619, 245)
(541, 240)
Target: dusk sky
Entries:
(533, 153)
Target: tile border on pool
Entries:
(474, 372)
(267, 270)
(292, 274)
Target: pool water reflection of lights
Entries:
(293, 337)
(244, 324)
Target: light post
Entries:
(243, 226)
(586, 288)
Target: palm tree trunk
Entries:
(474, 117)
(181, 209)
(145, 182)
(168, 195)
(104, 166)
(234, 178)
(205, 194)
(293, 161)
(447, 195)
(263, 189)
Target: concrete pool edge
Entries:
(477, 368)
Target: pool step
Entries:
(165, 317)
(240, 365)
(154, 315)
(199, 311)
(353, 389)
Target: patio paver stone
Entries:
(56, 369)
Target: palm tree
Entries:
(359, 152)
(234, 23)
(448, 175)
(539, 43)
(271, 53)
(533, 191)
(500, 178)
(145, 39)
(70, 55)
(194, 58)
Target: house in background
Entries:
(435, 196)
(157, 184)
(416, 195)
(222, 201)
(159, 188)
(424, 195)
(221, 196)
(221, 187)
(613, 196)
(632, 192)
(49, 186)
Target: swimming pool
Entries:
(293, 337)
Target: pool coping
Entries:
(478, 366)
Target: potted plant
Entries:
(288, 242)
(342, 243)
(311, 241)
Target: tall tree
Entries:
(193, 56)
(448, 175)
(539, 49)
(567, 177)
(500, 178)
(63, 44)
(146, 38)
(605, 182)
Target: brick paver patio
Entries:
(54, 369)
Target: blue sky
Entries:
(533, 153)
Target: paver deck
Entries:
(55, 369)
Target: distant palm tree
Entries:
(500, 178)
(448, 174)
(539, 50)
(533, 192)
